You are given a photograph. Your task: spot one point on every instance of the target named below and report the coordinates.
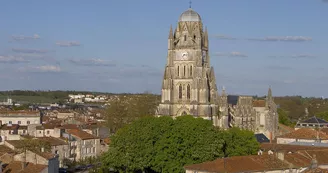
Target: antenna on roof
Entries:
(190, 4)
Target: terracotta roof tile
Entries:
(289, 148)
(316, 170)
(81, 134)
(52, 141)
(9, 127)
(16, 166)
(305, 133)
(259, 103)
(240, 164)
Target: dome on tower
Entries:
(190, 16)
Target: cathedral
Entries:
(189, 85)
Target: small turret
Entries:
(269, 98)
(206, 38)
(171, 39)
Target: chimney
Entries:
(281, 156)
(314, 162)
(23, 165)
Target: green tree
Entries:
(163, 145)
(283, 117)
(126, 109)
(239, 142)
(323, 115)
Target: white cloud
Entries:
(68, 43)
(11, 59)
(296, 56)
(225, 37)
(92, 62)
(22, 37)
(283, 38)
(44, 68)
(231, 54)
(21, 50)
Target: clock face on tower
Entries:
(183, 55)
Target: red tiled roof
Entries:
(240, 164)
(9, 127)
(16, 166)
(18, 112)
(305, 133)
(259, 103)
(288, 148)
(81, 134)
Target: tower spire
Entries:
(171, 33)
(190, 4)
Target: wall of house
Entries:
(31, 157)
(64, 115)
(62, 151)
(53, 165)
(23, 120)
(285, 140)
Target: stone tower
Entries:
(189, 86)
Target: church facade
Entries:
(189, 84)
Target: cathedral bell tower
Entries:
(189, 85)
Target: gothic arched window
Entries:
(180, 91)
(188, 91)
(185, 38)
(178, 70)
(184, 70)
(191, 70)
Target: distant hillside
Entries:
(293, 106)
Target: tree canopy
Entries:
(162, 144)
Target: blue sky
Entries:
(121, 45)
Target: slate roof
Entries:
(315, 120)
(261, 138)
(232, 99)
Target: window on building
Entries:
(24, 131)
(48, 132)
(40, 131)
(184, 70)
(185, 38)
(194, 37)
(180, 91)
(28, 122)
(178, 70)
(190, 70)
(10, 122)
(18, 122)
(188, 91)
(93, 149)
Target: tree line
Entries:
(164, 144)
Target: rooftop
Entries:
(315, 120)
(240, 164)
(259, 103)
(190, 16)
(305, 133)
(81, 134)
(16, 166)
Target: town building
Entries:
(22, 118)
(189, 84)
